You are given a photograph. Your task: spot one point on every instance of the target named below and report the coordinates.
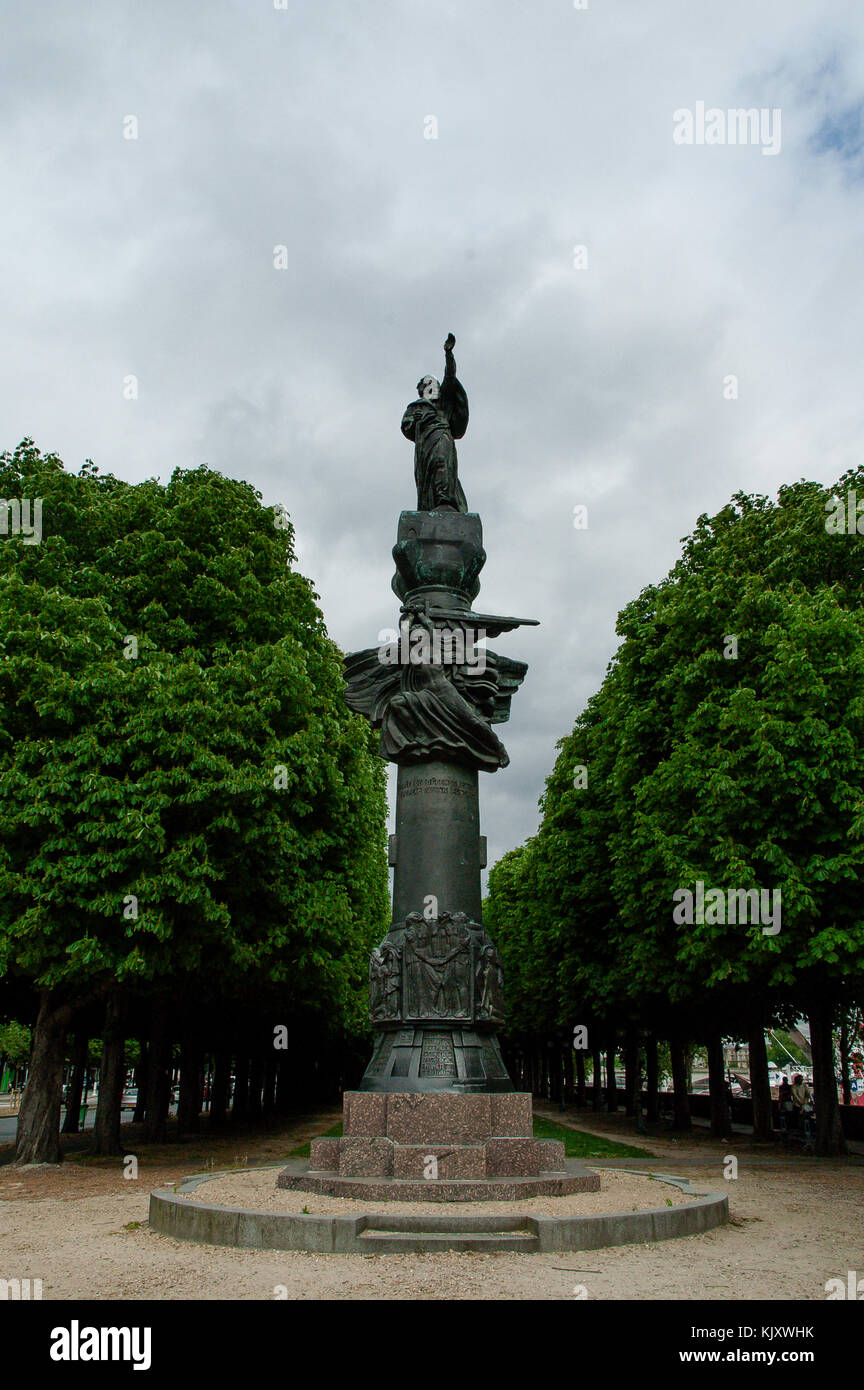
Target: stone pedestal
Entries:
(418, 1147)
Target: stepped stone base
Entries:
(479, 1190)
(444, 1147)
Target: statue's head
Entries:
(428, 388)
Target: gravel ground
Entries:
(257, 1191)
(83, 1230)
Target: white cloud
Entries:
(304, 127)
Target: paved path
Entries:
(9, 1123)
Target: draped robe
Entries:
(433, 426)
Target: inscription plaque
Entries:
(492, 1062)
(447, 785)
(437, 1057)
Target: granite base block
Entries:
(438, 1119)
(467, 1190)
(364, 1113)
(512, 1158)
(442, 1146)
(365, 1158)
(513, 1115)
(324, 1153)
(462, 1161)
(553, 1158)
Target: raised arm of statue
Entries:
(449, 360)
(449, 381)
(453, 400)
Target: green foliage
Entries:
(14, 1041)
(781, 1050)
(145, 836)
(742, 773)
(578, 1144)
(304, 1150)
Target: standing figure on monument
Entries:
(432, 422)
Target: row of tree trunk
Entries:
(264, 1079)
(558, 1073)
(552, 1069)
(243, 1083)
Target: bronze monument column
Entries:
(435, 981)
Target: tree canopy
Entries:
(188, 803)
(725, 747)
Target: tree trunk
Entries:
(39, 1117)
(219, 1089)
(89, 1084)
(581, 1095)
(681, 1118)
(76, 1083)
(760, 1086)
(611, 1084)
(190, 1098)
(283, 1085)
(269, 1100)
(240, 1103)
(141, 1083)
(721, 1127)
(597, 1080)
(158, 1079)
(652, 1080)
(829, 1132)
(631, 1072)
(256, 1085)
(112, 1074)
(553, 1069)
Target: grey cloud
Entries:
(600, 386)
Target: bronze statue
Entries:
(435, 982)
(430, 717)
(385, 982)
(432, 422)
(438, 955)
(490, 983)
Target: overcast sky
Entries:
(603, 384)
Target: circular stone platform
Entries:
(382, 1232)
(297, 1176)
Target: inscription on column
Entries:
(413, 786)
(437, 1057)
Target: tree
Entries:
(725, 750)
(188, 802)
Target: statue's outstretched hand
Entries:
(450, 343)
